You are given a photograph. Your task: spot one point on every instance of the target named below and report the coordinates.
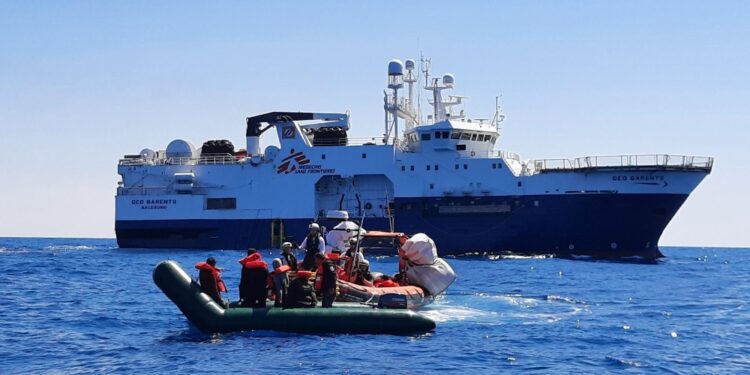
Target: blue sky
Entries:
(84, 82)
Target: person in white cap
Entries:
(313, 244)
(287, 257)
(363, 275)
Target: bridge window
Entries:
(437, 135)
(425, 136)
(474, 137)
(446, 135)
(465, 136)
(456, 135)
(221, 203)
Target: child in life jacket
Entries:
(279, 281)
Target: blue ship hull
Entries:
(599, 225)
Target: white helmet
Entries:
(314, 226)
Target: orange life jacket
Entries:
(253, 261)
(385, 284)
(305, 274)
(283, 268)
(269, 281)
(219, 282)
(319, 276)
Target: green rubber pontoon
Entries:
(209, 317)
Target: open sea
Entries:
(85, 306)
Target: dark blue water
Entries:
(84, 306)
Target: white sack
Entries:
(434, 278)
(420, 249)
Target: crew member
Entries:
(253, 280)
(363, 275)
(326, 279)
(355, 258)
(287, 257)
(301, 293)
(210, 280)
(279, 280)
(337, 238)
(313, 244)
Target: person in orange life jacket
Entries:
(300, 293)
(385, 281)
(363, 275)
(287, 257)
(210, 280)
(279, 281)
(313, 244)
(325, 279)
(253, 280)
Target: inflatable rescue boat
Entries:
(421, 276)
(209, 317)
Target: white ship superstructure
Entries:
(436, 172)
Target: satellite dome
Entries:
(147, 154)
(180, 149)
(448, 80)
(271, 152)
(410, 64)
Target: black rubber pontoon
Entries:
(209, 317)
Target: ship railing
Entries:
(152, 190)
(686, 162)
(490, 154)
(206, 159)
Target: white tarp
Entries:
(434, 278)
(420, 249)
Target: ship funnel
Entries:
(253, 137)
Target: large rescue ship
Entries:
(435, 171)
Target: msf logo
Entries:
(292, 162)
